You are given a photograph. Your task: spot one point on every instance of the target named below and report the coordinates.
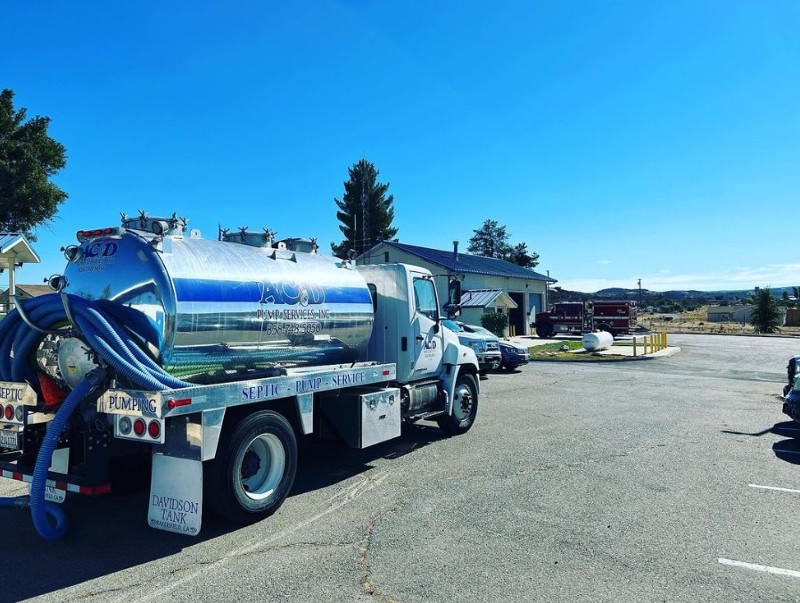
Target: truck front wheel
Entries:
(465, 406)
(544, 331)
(254, 469)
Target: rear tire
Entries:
(465, 406)
(545, 331)
(254, 469)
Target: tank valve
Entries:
(71, 252)
(57, 282)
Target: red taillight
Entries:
(87, 233)
(154, 429)
(108, 231)
(52, 393)
(139, 427)
(9, 412)
(97, 232)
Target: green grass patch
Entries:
(556, 351)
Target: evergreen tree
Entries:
(520, 256)
(28, 159)
(766, 314)
(491, 241)
(363, 189)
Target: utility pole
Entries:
(364, 214)
(640, 293)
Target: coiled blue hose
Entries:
(40, 508)
(116, 347)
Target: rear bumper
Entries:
(791, 406)
(489, 361)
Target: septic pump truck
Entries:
(205, 360)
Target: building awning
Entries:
(482, 298)
(15, 249)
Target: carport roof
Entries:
(480, 298)
(14, 248)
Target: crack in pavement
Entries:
(363, 547)
(102, 592)
(345, 496)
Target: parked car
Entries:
(487, 349)
(791, 373)
(513, 355)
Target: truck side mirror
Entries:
(454, 292)
(453, 305)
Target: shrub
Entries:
(496, 322)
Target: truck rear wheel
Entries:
(254, 469)
(465, 406)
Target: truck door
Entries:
(427, 332)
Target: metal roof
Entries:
(480, 298)
(14, 248)
(465, 263)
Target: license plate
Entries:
(9, 439)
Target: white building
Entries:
(487, 284)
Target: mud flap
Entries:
(176, 495)
(59, 464)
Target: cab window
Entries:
(425, 298)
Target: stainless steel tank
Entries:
(212, 308)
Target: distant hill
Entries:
(676, 294)
(620, 293)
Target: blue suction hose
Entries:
(116, 348)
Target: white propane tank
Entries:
(596, 341)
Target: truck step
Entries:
(424, 416)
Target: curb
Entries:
(666, 353)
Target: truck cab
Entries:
(408, 331)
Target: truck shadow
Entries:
(109, 534)
(322, 464)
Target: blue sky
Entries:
(619, 140)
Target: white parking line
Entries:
(760, 568)
(786, 428)
(774, 488)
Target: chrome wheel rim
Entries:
(262, 464)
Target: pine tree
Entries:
(520, 256)
(360, 191)
(28, 159)
(491, 241)
(766, 314)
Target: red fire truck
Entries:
(616, 317)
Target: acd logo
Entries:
(101, 249)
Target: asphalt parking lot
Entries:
(674, 479)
